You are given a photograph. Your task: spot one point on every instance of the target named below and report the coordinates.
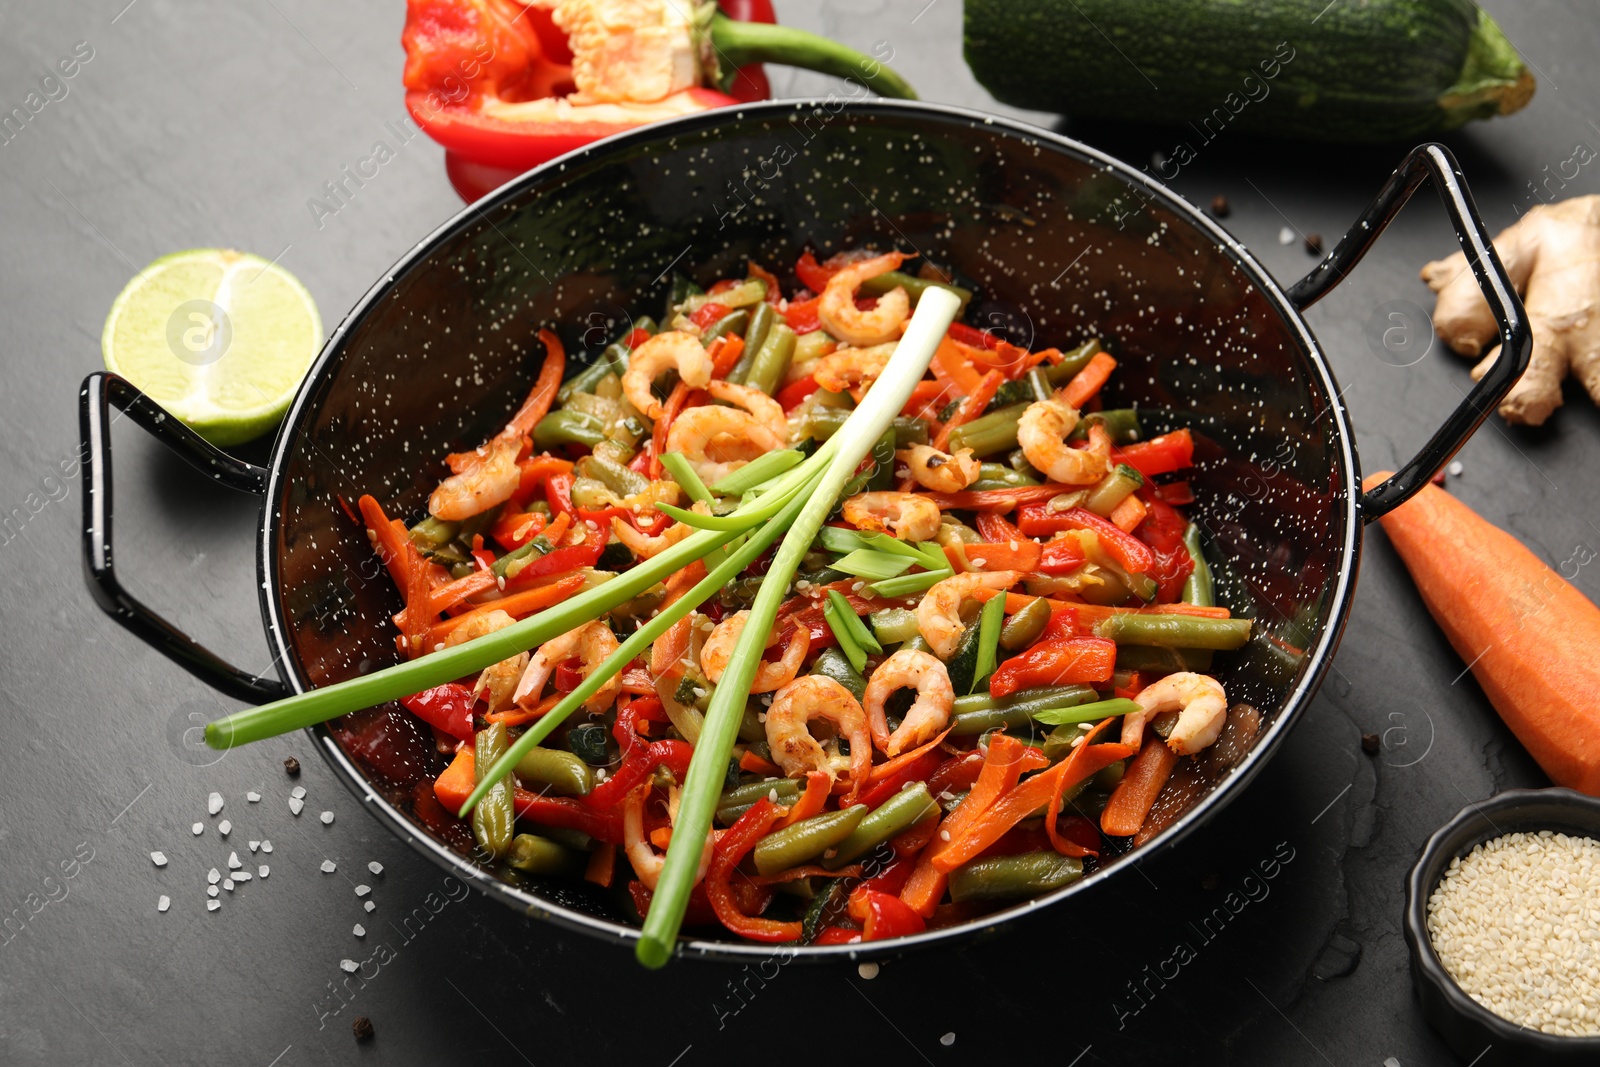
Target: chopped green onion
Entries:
(909, 584)
(1100, 709)
(678, 466)
(757, 472)
(858, 629)
(835, 618)
(989, 623)
(872, 565)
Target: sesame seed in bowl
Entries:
(1503, 924)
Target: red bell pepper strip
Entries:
(997, 529)
(1037, 520)
(560, 561)
(1001, 500)
(971, 335)
(801, 316)
(1061, 556)
(888, 916)
(513, 529)
(568, 814)
(543, 394)
(838, 935)
(915, 771)
(1162, 529)
(790, 396)
(1077, 660)
(638, 765)
(445, 707)
(708, 313)
(1160, 455)
(730, 848)
(813, 275)
(558, 491)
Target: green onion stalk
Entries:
(703, 782)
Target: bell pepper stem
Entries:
(739, 44)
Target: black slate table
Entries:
(1271, 936)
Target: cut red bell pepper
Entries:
(1163, 529)
(888, 916)
(1037, 520)
(838, 935)
(790, 396)
(1075, 661)
(709, 313)
(560, 561)
(568, 814)
(801, 316)
(1061, 556)
(971, 335)
(445, 707)
(1160, 455)
(730, 848)
(638, 765)
(813, 275)
(513, 529)
(997, 529)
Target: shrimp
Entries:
(1199, 698)
(911, 517)
(645, 546)
(839, 370)
(939, 613)
(772, 674)
(909, 668)
(592, 642)
(940, 471)
(647, 863)
(839, 315)
(815, 696)
(1042, 433)
(719, 440)
(487, 478)
(499, 680)
(674, 348)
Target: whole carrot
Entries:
(1532, 639)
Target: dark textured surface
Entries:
(212, 124)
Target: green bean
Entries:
(1010, 877)
(1017, 710)
(755, 335)
(806, 839)
(735, 802)
(1175, 631)
(914, 287)
(538, 855)
(614, 476)
(1073, 361)
(751, 728)
(1024, 628)
(1091, 712)
(772, 360)
(1113, 489)
(824, 422)
(743, 295)
(1121, 425)
(432, 534)
(894, 625)
(1044, 696)
(734, 323)
(568, 427)
(587, 378)
(833, 663)
(493, 820)
(564, 773)
(909, 431)
(888, 819)
(999, 476)
(991, 433)
(1197, 588)
(1039, 383)
(1165, 660)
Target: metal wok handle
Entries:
(100, 393)
(1516, 341)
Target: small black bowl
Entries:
(1479, 1036)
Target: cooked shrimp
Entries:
(592, 642)
(839, 370)
(839, 315)
(1199, 699)
(646, 546)
(1042, 433)
(674, 349)
(718, 440)
(930, 713)
(940, 471)
(647, 863)
(499, 680)
(815, 696)
(485, 480)
(939, 613)
(772, 674)
(911, 517)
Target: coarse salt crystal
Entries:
(233, 861)
(214, 803)
(158, 858)
(198, 828)
(298, 792)
(363, 890)
(370, 906)
(375, 867)
(213, 876)
(213, 905)
(328, 866)
(359, 930)
(241, 876)
(211, 890)
(263, 870)
(254, 845)
(224, 827)
(227, 883)
(349, 966)
(164, 903)
(253, 797)
(266, 846)
(296, 805)
(327, 818)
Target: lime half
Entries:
(219, 338)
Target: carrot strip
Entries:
(971, 407)
(893, 766)
(1128, 514)
(602, 866)
(1136, 794)
(658, 437)
(519, 716)
(456, 784)
(811, 802)
(1085, 758)
(923, 889)
(1022, 801)
(756, 765)
(725, 353)
(1002, 766)
(518, 605)
(395, 550)
(948, 363)
(1088, 382)
(537, 406)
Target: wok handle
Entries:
(101, 392)
(1516, 340)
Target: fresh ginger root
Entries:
(1553, 256)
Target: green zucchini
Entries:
(1350, 70)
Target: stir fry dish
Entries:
(991, 659)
